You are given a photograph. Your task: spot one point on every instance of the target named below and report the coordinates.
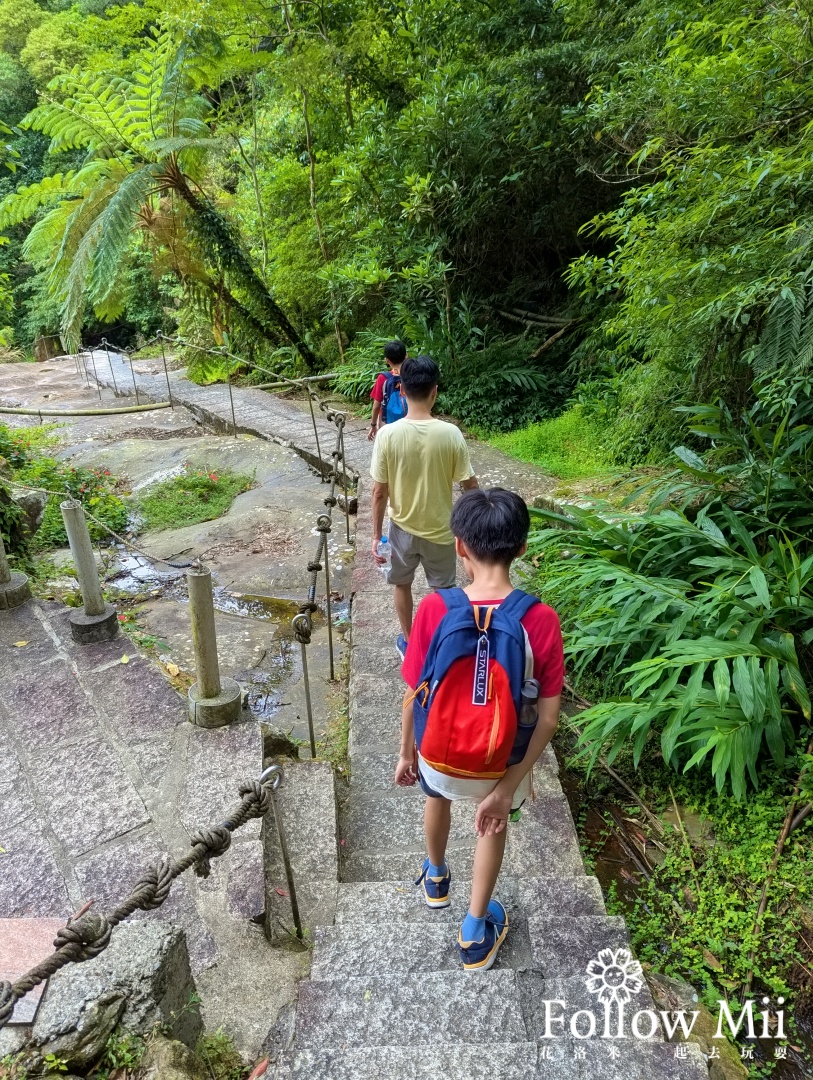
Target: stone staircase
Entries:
(387, 996)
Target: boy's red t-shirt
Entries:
(377, 392)
(541, 625)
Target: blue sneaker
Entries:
(480, 955)
(435, 889)
(401, 645)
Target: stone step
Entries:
(562, 1060)
(542, 841)
(351, 949)
(564, 945)
(386, 821)
(402, 1010)
(379, 864)
(402, 901)
(428, 1062)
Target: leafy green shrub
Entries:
(699, 612)
(94, 488)
(569, 446)
(637, 412)
(196, 495)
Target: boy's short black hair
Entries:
(419, 377)
(493, 524)
(395, 352)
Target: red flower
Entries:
(213, 477)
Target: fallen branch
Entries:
(553, 339)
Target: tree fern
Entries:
(146, 136)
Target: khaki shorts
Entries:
(439, 561)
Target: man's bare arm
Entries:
(467, 485)
(381, 493)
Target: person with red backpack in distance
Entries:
(414, 467)
(386, 393)
(484, 669)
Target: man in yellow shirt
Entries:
(415, 464)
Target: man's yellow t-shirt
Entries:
(421, 460)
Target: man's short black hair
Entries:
(493, 524)
(419, 377)
(395, 352)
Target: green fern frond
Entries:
(117, 220)
(24, 202)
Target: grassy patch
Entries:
(569, 446)
(196, 495)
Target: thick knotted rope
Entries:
(88, 934)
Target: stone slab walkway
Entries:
(101, 773)
(288, 422)
(386, 997)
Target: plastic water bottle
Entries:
(383, 551)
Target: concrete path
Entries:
(386, 995)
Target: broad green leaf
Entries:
(722, 682)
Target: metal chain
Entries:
(88, 933)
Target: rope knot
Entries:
(153, 889)
(256, 798)
(331, 501)
(302, 627)
(216, 842)
(323, 523)
(314, 567)
(7, 1001)
(86, 936)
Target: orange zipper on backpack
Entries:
(495, 730)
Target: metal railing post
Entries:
(324, 526)
(213, 701)
(166, 374)
(110, 365)
(302, 632)
(278, 775)
(322, 476)
(95, 374)
(14, 588)
(98, 620)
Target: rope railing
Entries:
(88, 933)
(332, 471)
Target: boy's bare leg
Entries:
(404, 608)
(437, 820)
(488, 857)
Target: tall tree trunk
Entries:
(216, 235)
(316, 216)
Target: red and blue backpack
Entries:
(467, 705)
(394, 403)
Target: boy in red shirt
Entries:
(394, 356)
(490, 529)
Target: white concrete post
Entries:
(14, 588)
(98, 621)
(213, 701)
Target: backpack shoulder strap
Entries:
(518, 603)
(454, 598)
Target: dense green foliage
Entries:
(22, 460)
(698, 613)
(196, 495)
(472, 179)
